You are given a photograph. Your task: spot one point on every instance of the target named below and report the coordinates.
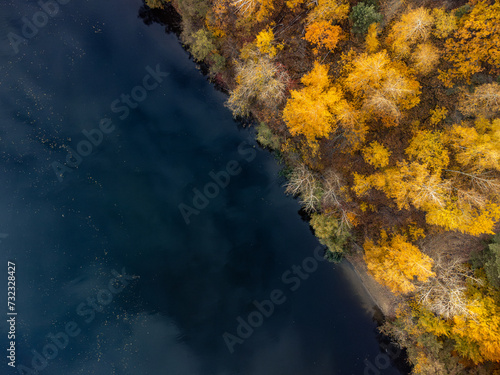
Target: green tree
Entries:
(266, 137)
(201, 44)
(362, 16)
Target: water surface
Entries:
(70, 235)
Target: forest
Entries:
(386, 117)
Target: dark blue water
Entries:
(108, 133)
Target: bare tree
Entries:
(485, 101)
(445, 294)
(303, 183)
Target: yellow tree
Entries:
(323, 35)
(477, 337)
(476, 42)
(259, 10)
(425, 58)
(429, 149)
(314, 110)
(414, 26)
(372, 42)
(327, 10)
(452, 176)
(475, 333)
(376, 155)
(477, 148)
(383, 87)
(265, 43)
(395, 263)
(444, 22)
(484, 101)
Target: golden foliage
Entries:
(476, 334)
(484, 101)
(477, 148)
(383, 86)
(323, 35)
(265, 43)
(413, 27)
(372, 43)
(478, 337)
(314, 110)
(438, 114)
(156, 3)
(445, 23)
(474, 43)
(425, 58)
(428, 148)
(292, 4)
(259, 10)
(376, 155)
(396, 262)
(327, 10)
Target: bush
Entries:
(266, 137)
(331, 233)
(362, 16)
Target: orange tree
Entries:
(474, 44)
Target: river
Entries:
(149, 231)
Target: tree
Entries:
(445, 23)
(201, 44)
(267, 138)
(429, 149)
(259, 80)
(478, 337)
(483, 102)
(475, 43)
(330, 231)
(425, 58)
(438, 114)
(362, 16)
(372, 42)
(384, 87)
(477, 148)
(327, 10)
(304, 184)
(446, 293)
(395, 263)
(314, 110)
(323, 35)
(254, 9)
(413, 27)
(265, 43)
(376, 155)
